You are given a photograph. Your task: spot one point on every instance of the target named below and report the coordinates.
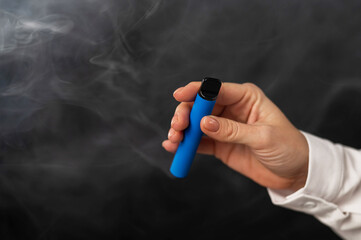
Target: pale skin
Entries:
(248, 133)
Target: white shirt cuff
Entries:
(323, 181)
(332, 192)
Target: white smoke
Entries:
(17, 32)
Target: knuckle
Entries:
(179, 109)
(253, 87)
(176, 110)
(255, 91)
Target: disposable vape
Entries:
(203, 106)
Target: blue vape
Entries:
(203, 106)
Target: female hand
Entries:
(248, 133)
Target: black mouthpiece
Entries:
(210, 88)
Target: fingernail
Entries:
(171, 133)
(174, 119)
(178, 90)
(211, 124)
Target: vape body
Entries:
(203, 106)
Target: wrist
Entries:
(299, 183)
(301, 177)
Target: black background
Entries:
(86, 100)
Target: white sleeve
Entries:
(332, 192)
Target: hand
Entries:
(248, 133)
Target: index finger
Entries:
(229, 93)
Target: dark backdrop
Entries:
(86, 100)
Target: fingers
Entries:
(175, 136)
(206, 146)
(221, 129)
(169, 146)
(229, 93)
(187, 93)
(180, 120)
(226, 130)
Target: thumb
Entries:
(226, 130)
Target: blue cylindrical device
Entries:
(203, 106)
